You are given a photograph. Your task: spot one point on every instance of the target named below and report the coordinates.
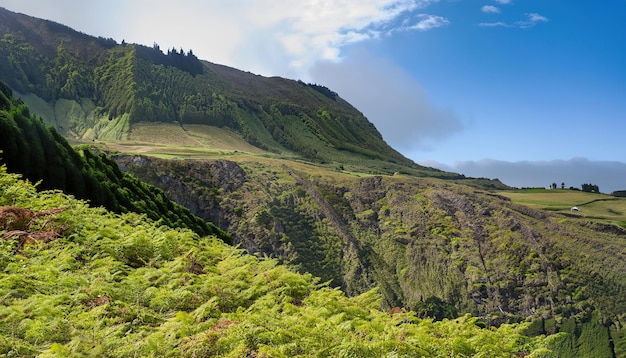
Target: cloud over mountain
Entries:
(398, 106)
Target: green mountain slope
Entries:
(437, 248)
(79, 281)
(28, 147)
(93, 88)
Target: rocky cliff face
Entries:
(429, 245)
(198, 185)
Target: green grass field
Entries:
(190, 136)
(591, 206)
(170, 140)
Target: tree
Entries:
(590, 188)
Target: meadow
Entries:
(592, 206)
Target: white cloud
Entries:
(494, 24)
(504, 2)
(270, 37)
(389, 98)
(428, 22)
(534, 17)
(309, 31)
(531, 20)
(490, 9)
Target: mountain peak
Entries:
(103, 89)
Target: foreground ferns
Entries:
(122, 286)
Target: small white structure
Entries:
(574, 208)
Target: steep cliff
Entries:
(436, 247)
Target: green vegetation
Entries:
(591, 206)
(295, 173)
(41, 154)
(99, 89)
(439, 249)
(80, 281)
(93, 89)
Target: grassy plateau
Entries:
(592, 206)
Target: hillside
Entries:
(291, 171)
(95, 89)
(80, 281)
(39, 153)
(437, 248)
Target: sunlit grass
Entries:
(590, 205)
(193, 137)
(205, 142)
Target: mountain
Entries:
(293, 172)
(95, 89)
(438, 248)
(77, 281)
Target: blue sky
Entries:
(528, 91)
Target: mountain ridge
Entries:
(128, 83)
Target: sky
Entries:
(527, 91)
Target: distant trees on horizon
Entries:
(187, 62)
(619, 193)
(589, 188)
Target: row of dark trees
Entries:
(321, 89)
(589, 188)
(553, 186)
(187, 62)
